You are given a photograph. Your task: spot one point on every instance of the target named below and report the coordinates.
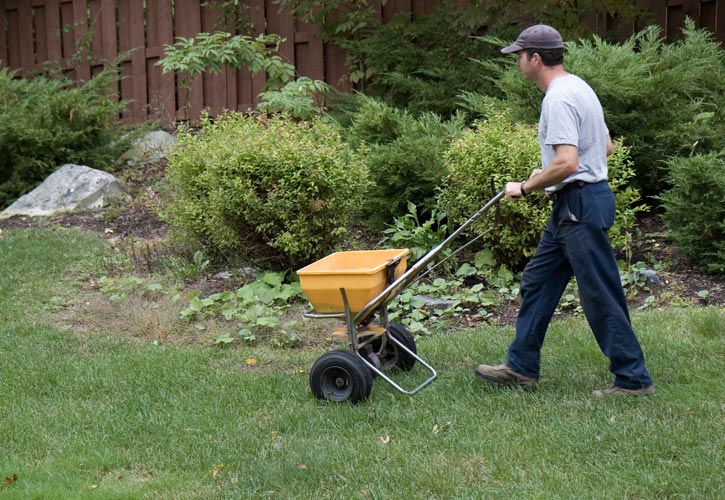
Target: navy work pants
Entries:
(575, 242)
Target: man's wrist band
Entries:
(523, 191)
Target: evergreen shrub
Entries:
(274, 188)
(404, 156)
(47, 122)
(498, 151)
(695, 209)
(422, 64)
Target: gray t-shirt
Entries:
(571, 114)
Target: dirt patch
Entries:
(135, 228)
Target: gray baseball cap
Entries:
(539, 36)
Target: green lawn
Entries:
(95, 416)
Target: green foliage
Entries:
(423, 65)
(45, 123)
(471, 293)
(212, 51)
(300, 99)
(404, 156)
(664, 99)
(255, 308)
(497, 151)
(695, 209)
(276, 188)
(570, 18)
(420, 238)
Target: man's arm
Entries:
(609, 146)
(565, 163)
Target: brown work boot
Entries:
(621, 391)
(503, 375)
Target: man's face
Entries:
(527, 65)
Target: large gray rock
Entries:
(71, 187)
(151, 147)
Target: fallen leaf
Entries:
(385, 439)
(11, 479)
(302, 466)
(277, 446)
(251, 361)
(216, 469)
(365, 493)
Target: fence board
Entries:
(52, 26)
(3, 39)
(25, 38)
(35, 31)
(80, 32)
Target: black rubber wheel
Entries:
(369, 354)
(341, 376)
(392, 356)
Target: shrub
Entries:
(695, 209)
(497, 151)
(404, 156)
(47, 122)
(275, 188)
(664, 99)
(422, 65)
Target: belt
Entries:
(556, 195)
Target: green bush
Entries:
(497, 151)
(664, 99)
(45, 123)
(404, 156)
(695, 209)
(422, 65)
(276, 188)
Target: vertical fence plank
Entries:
(41, 33)
(258, 17)
(124, 45)
(66, 26)
(3, 35)
(108, 25)
(191, 94)
(309, 51)
(168, 101)
(281, 23)
(80, 33)
(52, 27)
(13, 60)
(25, 38)
(137, 41)
(720, 21)
(215, 95)
(707, 17)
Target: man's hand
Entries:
(513, 189)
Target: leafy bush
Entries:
(275, 188)
(46, 122)
(664, 99)
(497, 151)
(695, 209)
(404, 156)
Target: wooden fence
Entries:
(82, 34)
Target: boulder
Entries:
(71, 187)
(152, 147)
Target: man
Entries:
(575, 143)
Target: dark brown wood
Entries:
(34, 32)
